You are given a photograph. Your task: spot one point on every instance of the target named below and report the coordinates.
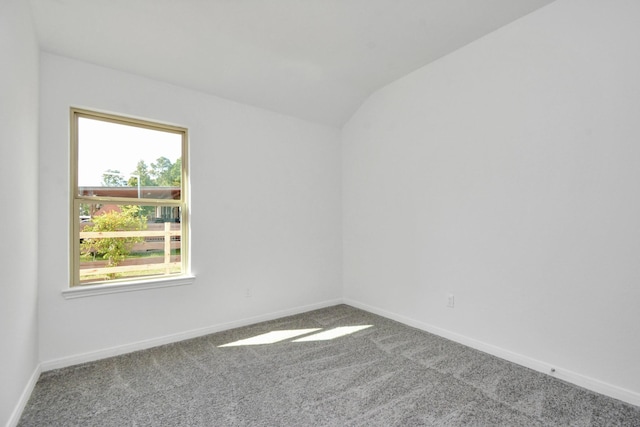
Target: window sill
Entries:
(139, 285)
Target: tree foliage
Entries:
(113, 178)
(165, 173)
(114, 249)
(161, 173)
(142, 171)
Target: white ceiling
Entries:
(313, 59)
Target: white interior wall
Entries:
(508, 174)
(266, 216)
(19, 190)
(504, 173)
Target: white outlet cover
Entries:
(450, 301)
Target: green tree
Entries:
(161, 172)
(142, 171)
(113, 178)
(114, 249)
(175, 174)
(85, 209)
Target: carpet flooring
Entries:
(382, 373)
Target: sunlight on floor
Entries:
(277, 336)
(333, 333)
(271, 337)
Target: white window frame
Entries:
(76, 289)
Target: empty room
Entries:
(322, 212)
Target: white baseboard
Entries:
(581, 380)
(24, 397)
(168, 339)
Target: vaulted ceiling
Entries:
(313, 59)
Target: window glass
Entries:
(129, 202)
(117, 160)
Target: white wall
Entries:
(265, 215)
(19, 177)
(508, 174)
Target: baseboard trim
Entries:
(24, 397)
(559, 372)
(168, 339)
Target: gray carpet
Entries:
(385, 375)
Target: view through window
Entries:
(129, 213)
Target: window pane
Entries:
(128, 241)
(117, 160)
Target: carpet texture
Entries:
(387, 374)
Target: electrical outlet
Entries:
(450, 301)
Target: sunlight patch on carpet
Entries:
(271, 337)
(278, 336)
(333, 333)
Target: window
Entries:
(129, 213)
